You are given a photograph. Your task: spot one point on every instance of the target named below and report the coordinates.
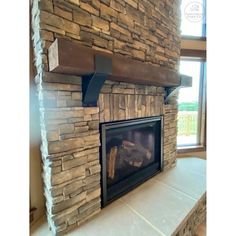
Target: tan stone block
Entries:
(47, 35)
(90, 187)
(93, 125)
(75, 2)
(92, 137)
(68, 175)
(82, 17)
(138, 54)
(91, 110)
(92, 163)
(138, 16)
(63, 87)
(51, 19)
(52, 136)
(100, 23)
(72, 27)
(94, 169)
(81, 129)
(107, 2)
(76, 96)
(117, 6)
(66, 128)
(79, 124)
(87, 7)
(74, 103)
(132, 3)
(46, 5)
(92, 178)
(74, 162)
(76, 120)
(57, 199)
(61, 227)
(73, 36)
(93, 157)
(107, 12)
(72, 187)
(96, 4)
(63, 93)
(68, 203)
(98, 41)
(65, 145)
(89, 205)
(87, 117)
(55, 170)
(67, 214)
(96, 193)
(120, 29)
(67, 157)
(61, 113)
(64, 97)
(65, 14)
(56, 191)
(86, 152)
(94, 213)
(125, 19)
(52, 29)
(141, 7)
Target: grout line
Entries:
(176, 189)
(144, 219)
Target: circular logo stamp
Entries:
(194, 11)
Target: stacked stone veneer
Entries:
(71, 140)
(146, 30)
(195, 218)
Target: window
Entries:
(191, 105)
(193, 18)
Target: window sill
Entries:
(197, 38)
(187, 149)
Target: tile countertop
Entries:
(157, 207)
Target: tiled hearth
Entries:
(172, 203)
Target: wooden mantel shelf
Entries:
(69, 57)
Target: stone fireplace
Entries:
(73, 168)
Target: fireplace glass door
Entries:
(131, 153)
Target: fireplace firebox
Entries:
(131, 152)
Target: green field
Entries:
(188, 106)
(187, 119)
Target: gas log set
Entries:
(126, 156)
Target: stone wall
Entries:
(198, 216)
(147, 30)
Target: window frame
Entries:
(203, 36)
(201, 132)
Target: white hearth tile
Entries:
(116, 220)
(193, 164)
(161, 205)
(187, 177)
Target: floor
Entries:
(155, 208)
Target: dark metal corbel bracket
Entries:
(185, 81)
(92, 84)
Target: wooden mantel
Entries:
(69, 57)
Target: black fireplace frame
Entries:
(144, 174)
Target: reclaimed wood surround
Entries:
(69, 57)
